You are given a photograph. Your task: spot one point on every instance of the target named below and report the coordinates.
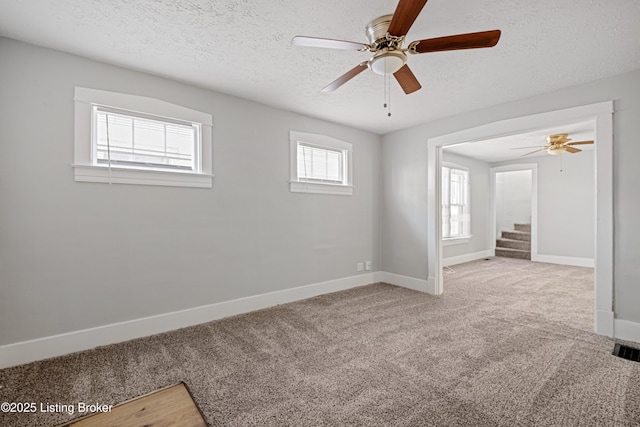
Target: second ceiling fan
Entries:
(557, 144)
(386, 36)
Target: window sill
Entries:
(318, 188)
(120, 175)
(455, 240)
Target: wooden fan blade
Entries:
(328, 43)
(458, 42)
(407, 80)
(580, 143)
(542, 149)
(571, 149)
(405, 15)
(345, 77)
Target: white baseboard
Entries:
(431, 286)
(604, 322)
(626, 330)
(421, 285)
(564, 260)
(453, 260)
(58, 345)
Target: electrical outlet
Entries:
(367, 265)
(360, 266)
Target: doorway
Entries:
(601, 114)
(514, 204)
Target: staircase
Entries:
(515, 243)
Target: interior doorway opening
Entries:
(601, 115)
(514, 211)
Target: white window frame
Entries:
(455, 240)
(322, 141)
(86, 168)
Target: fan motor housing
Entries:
(377, 30)
(557, 138)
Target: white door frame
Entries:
(533, 167)
(602, 113)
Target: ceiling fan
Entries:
(386, 36)
(558, 143)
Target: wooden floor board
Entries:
(172, 406)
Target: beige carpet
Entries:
(510, 344)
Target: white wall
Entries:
(566, 204)
(80, 255)
(404, 180)
(513, 199)
(479, 202)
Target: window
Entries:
(320, 164)
(130, 139)
(456, 214)
(116, 142)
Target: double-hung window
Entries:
(456, 212)
(125, 138)
(320, 164)
(130, 139)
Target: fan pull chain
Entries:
(384, 89)
(387, 90)
(388, 95)
(561, 163)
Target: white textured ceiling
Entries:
(243, 48)
(516, 146)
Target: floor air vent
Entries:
(625, 352)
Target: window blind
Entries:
(320, 164)
(140, 141)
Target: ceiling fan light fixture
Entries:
(386, 35)
(555, 151)
(387, 62)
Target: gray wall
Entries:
(404, 180)
(513, 200)
(479, 202)
(79, 255)
(566, 204)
